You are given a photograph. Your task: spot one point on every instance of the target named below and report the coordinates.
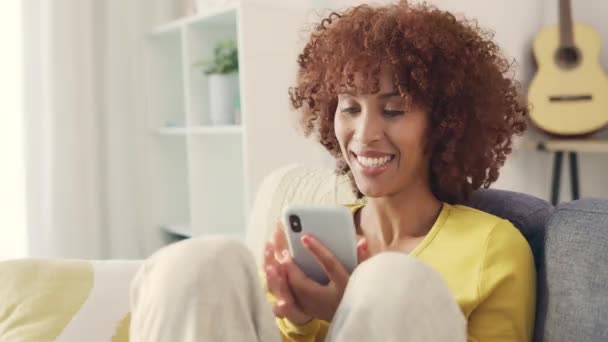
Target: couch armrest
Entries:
(574, 281)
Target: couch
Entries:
(79, 300)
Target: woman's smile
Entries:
(371, 163)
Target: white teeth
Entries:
(373, 162)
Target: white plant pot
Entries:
(223, 93)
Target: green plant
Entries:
(225, 59)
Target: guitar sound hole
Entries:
(567, 57)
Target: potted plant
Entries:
(222, 72)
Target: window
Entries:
(13, 229)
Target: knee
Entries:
(197, 265)
(202, 254)
(391, 273)
(400, 265)
(392, 288)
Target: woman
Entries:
(418, 109)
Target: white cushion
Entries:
(65, 300)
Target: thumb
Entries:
(362, 250)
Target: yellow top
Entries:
(486, 263)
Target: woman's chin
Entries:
(372, 190)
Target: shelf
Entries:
(199, 179)
(172, 131)
(220, 16)
(178, 229)
(168, 28)
(201, 130)
(572, 145)
(208, 130)
(212, 17)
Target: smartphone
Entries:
(334, 226)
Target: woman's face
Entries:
(382, 140)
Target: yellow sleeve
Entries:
(507, 289)
(313, 331)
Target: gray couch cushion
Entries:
(574, 299)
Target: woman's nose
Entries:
(369, 127)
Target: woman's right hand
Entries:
(275, 255)
(276, 279)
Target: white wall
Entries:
(13, 236)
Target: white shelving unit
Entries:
(202, 178)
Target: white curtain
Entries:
(84, 122)
(13, 239)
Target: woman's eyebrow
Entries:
(348, 92)
(382, 96)
(391, 94)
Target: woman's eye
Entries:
(350, 110)
(389, 112)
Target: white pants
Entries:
(209, 290)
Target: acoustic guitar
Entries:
(569, 93)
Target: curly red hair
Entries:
(450, 67)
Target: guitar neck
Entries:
(566, 31)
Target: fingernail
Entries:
(306, 240)
(285, 254)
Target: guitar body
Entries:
(569, 100)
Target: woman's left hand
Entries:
(320, 301)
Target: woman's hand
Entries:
(300, 298)
(314, 299)
(276, 279)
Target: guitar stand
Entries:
(557, 175)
